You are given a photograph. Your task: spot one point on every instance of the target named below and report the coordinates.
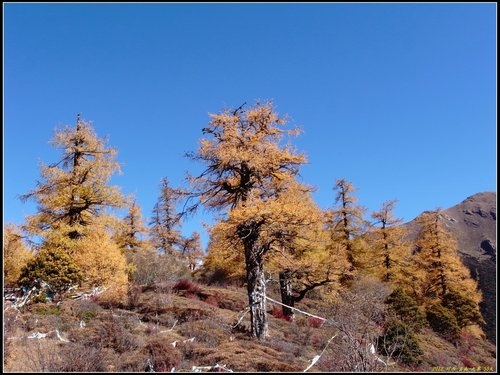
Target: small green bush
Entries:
(51, 269)
(406, 309)
(443, 322)
(47, 309)
(400, 343)
(465, 309)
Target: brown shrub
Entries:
(133, 295)
(39, 356)
(249, 356)
(206, 331)
(76, 357)
(106, 333)
(194, 352)
(190, 314)
(162, 355)
(232, 304)
(134, 361)
(81, 310)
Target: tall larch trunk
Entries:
(256, 285)
(287, 297)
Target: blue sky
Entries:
(400, 99)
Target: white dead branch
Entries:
(174, 344)
(216, 368)
(39, 335)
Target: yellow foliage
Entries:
(128, 231)
(387, 252)
(15, 254)
(100, 259)
(439, 262)
(346, 223)
(74, 190)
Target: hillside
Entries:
(182, 323)
(473, 223)
(196, 329)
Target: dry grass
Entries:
(139, 334)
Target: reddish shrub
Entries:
(186, 285)
(212, 300)
(467, 362)
(277, 312)
(315, 322)
(191, 296)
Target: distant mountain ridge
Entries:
(473, 223)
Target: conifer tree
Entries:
(191, 250)
(51, 270)
(99, 257)
(73, 199)
(246, 169)
(130, 229)
(387, 251)
(224, 260)
(437, 257)
(74, 190)
(347, 224)
(165, 232)
(306, 260)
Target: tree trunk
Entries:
(256, 285)
(286, 293)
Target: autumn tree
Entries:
(165, 231)
(73, 199)
(295, 236)
(387, 252)
(131, 229)
(247, 167)
(444, 282)
(191, 251)
(74, 190)
(347, 224)
(224, 260)
(305, 259)
(100, 258)
(437, 257)
(15, 254)
(51, 270)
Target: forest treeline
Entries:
(268, 224)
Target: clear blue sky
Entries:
(400, 99)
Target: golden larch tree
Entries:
(303, 259)
(387, 251)
(346, 224)
(131, 230)
(75, 190)
(15, 254)
(441, 269)
(165, 233)
(247, 166)
(74, 200)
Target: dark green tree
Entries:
(52, 269)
